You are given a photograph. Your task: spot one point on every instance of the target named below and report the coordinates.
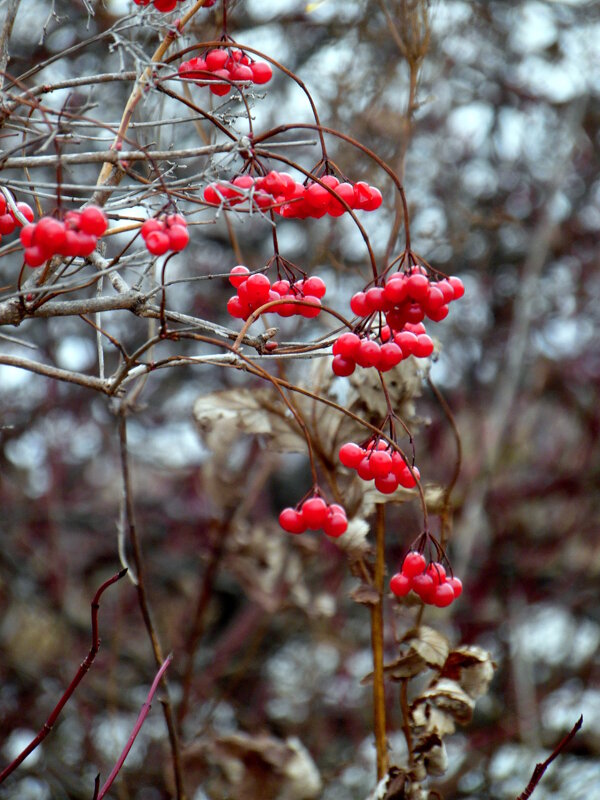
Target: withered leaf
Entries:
(432, 720)
(365, 594)
(430, 644)
(448, 696)
(472, 667)
(432, 751)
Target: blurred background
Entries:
(499, 152)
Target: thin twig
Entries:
(377, 645)
(540, 768)
(84, 667)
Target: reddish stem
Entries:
(85, 665)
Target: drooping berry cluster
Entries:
(383, 351)
(313, 515)
(279, 191)
(378, 461)
(160, 5)
(76, 235)
(428, 581)
(165, 233)
(228, 65)
(254, 291)
(409, 297)
(8, 221)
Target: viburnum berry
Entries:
(315, 513)
(351, 455)
(428, 581)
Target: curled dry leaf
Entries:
(365, 594)
(472, 667)
(432, 752)
(426, 718)
(424, 648)
(447, 695)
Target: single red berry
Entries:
(312, 309)
(364, 470)
(424, 586)
(396, 290)
(439, 314)
(335, 524)
(456, 585)
(238, 275)
(351, 455)
(457, 285)
(258, 287)
(418, 286)
(27, 212)
(215, 59)
(400, 584)
(414, 564)
(358, 305)
(150, 226)
(93, 220)
(157, 243)
(343, 367)
(314, 286)
(386, 484)
(261, 72)
(434, 300)
(443, 595)
(220, 89)
(407, 341)
(390, 356)
(35, 256)
(237, 309)
(7, 224)
(368, 353)
(423, 347)
(346, 345)
(381, 463)
(26, 235)
(314, 512)
(291, 521)
(165, 5)
(178, 237)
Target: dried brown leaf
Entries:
(430, 719)
(365, 594)
(430, 645)
(432, 751)
(472, 667)
(449, 696)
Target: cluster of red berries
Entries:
(351, 349)
(8, 221)
(254, 291)
(279, 191)
(377, 460)
(409, 297)
(76, 235)
(165, 233)
(314, 514)
(233, 65)
(428, 581)
(160, 5)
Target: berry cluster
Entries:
(254, 291)
(351, 349)
(233, 65)
(279, 191)
(428, 581)
(76, 235)
(409, 297)
(314, 514)
(160, 5)
(380, 462)
(8, 221)
(165, 233)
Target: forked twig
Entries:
(84, 667)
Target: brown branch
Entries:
(540, 768)
(377, 646)
(84, 667)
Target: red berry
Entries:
(439, 314)
(261, 72)
(346, 345)
(351, 455)
(149, 226)
(26, 235)
(457, 285)
(368, 353)
(456, 585)
(237, 309)
(414, 564)
(165, 5)
(424, 586)
(335, 524)
(258, 288)
(400, 584)
(238, 275)
(443, 595)
(358, 305)
(381, 463)
(157, 243)
(364, 470)
(386, 484)
(314, 512)
(216, 59)
(291, 521)
(390, 356)
(178, 237)
(437, 572)
(35, 256)
(396, 290)
(93, 221)
(418, 286)
(314, 286)
(423, 347)
(27, 212)
(220, 89)
(7, 224)
(342, 367)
